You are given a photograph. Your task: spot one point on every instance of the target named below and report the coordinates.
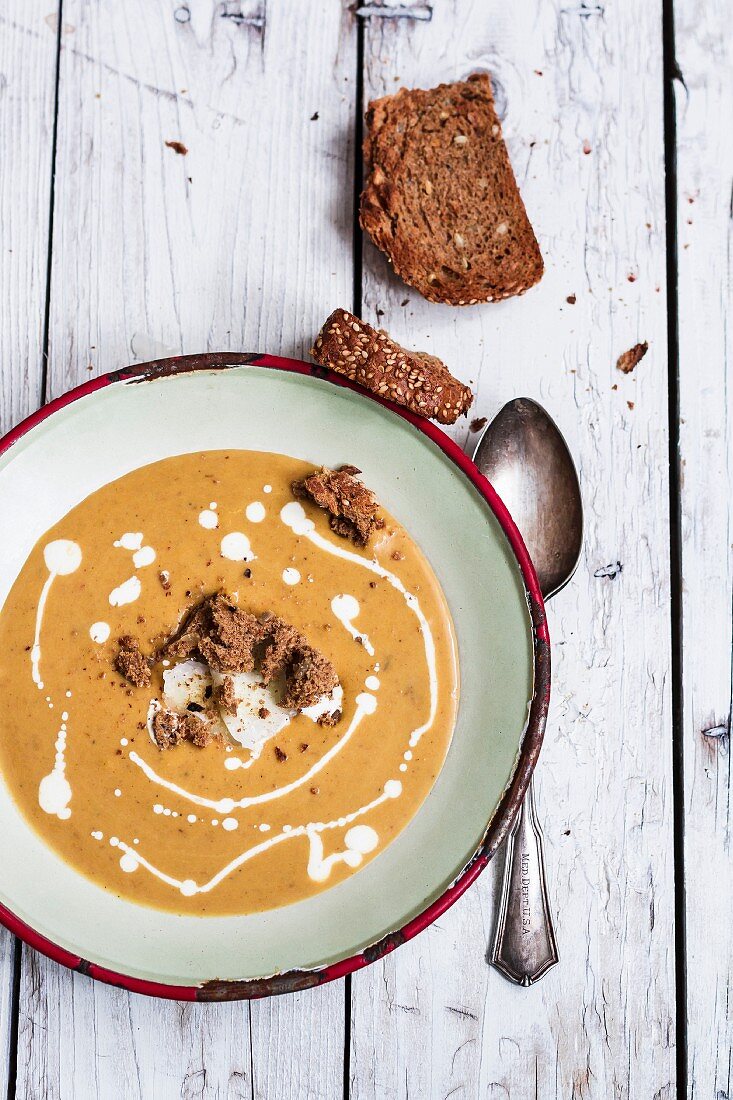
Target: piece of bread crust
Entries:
(370, 357)
(131, 664)
(353, 507)
(441, 199)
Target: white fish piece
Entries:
(252, 695)
(186, 683)
(252, 731)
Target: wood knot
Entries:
(611, 571)
(716, 732)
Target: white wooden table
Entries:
(115, 247)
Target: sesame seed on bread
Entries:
(441, 199)
(370, 357)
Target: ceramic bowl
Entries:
(116, 423)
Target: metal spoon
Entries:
(526, 459)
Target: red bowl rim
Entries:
(501, 821)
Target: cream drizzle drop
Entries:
(99, 632)
(291, 576)
(127, 592)
(319, 867)
(54, 791)
(131, 540)
(359, 841)
(346, 608)
(293, 516)
(232, 763)
(144, 556)
(236, 547)
(255, 512)
(208, 519)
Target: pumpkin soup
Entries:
(220, 698)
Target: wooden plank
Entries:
(705, 185)
(245, 243)
(8, 947)
(241, 242)
(296, 1053)
(581, 88)
(28, 39)
(80, 1039)
(27, 85)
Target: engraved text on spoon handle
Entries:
(524, 948)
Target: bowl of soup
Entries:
(177, 818)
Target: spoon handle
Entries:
(524, 947)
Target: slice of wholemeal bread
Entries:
(441, 198)
(414, 379)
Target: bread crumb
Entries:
(131, 664)
(225, 696)
(170, 729)
(352, 507)
(631, 358)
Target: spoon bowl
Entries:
(526, 459)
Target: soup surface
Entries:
(268, 814)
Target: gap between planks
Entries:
(358, 262)
(670, 74)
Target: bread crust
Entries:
(441, 199)
(370, 357)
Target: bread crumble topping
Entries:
(131, 664)
(231, 640)
(351, 505)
